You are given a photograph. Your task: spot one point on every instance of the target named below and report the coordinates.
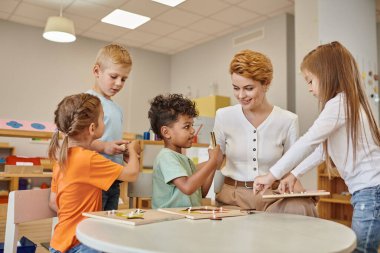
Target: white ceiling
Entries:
(169, 31)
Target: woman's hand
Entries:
(261, 183)
(287, 184)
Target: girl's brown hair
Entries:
(73, 115)
(252, 65)
(337, 71)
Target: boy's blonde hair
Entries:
(113, 53)
(253, 65)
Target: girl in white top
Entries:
(253, 135)
(346, 132)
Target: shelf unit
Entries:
(13, 178)
(337, 207)
(5, 182)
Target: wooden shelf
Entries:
(337, 201)
(327, 175)
(46, 174)
(25, 134)
(147, 170)
(343, 222)
(338, 208)
(3, 193)
(196, 145)
(43, 135)
(5, 145)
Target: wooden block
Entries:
(46, 163)
(296, 194)
(145, 203)
(206, 202)
(17, 169)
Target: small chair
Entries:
(25, 206)
(142, 188)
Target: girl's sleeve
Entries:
(103, 171)
(292, 135)
(331, 118)
(312, 161)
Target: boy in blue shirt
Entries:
(111, 70)
(177, 182)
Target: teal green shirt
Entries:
(167, 166)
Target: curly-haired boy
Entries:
(177, 182)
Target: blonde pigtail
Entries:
(63, 153)
(54, 146)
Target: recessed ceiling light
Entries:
(125, 19)
(171, 3)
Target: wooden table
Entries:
(260, 232)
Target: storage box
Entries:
(20, 169)
(20, 160)
(207, 106)
(25, 246)
(3, 200)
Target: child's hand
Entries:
(133, 148)
(287, 184)
(214, 153)
(115, 147)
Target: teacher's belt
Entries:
(233, 182)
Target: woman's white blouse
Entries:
(252, 151)
(331, 125)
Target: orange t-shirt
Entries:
(79, 189)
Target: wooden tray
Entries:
(121, 216)
(315, 193)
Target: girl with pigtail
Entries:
(80, 174)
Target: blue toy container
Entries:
(26, 246)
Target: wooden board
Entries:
(204, 212)
(123, 216)
(315, 193)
